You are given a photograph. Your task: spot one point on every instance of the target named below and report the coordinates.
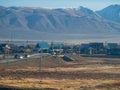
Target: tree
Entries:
(6, 50)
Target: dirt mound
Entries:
(67, 59)
(49, 61)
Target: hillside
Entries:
(58, 24)
(111, 12)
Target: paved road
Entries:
(37, 55)
(8, 60)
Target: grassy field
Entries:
(82, 73)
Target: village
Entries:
(59, 66)
(57, 48)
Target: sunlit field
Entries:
(54, 73)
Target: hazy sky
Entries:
(91, 4)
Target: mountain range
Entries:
(59, 24)
(111, 12)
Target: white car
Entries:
(20, 57)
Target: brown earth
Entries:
(52, 72)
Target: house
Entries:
(56, 48)
(84, 48)
(42, 47)
(68, 49)
(113, 49)
(92, 48)
(96, 48)
(112, 45)
(57, 45)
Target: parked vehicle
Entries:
(27, 56)
(18, 56)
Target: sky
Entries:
(91, 4)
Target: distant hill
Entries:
(53, 24)
(111, 12)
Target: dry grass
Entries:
(84, 73)
(64, 84)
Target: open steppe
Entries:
(55, 73)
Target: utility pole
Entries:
(40, 68)
(40, 64)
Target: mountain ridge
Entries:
(27, 22)
(111, 12)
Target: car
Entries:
(18, 56)
(27, 56)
